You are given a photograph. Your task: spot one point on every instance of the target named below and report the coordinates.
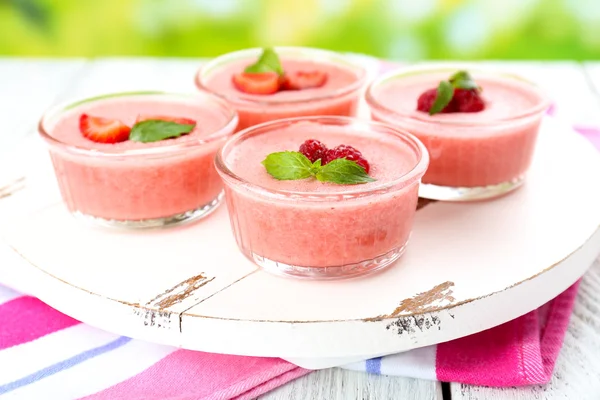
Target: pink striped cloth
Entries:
(46, 354)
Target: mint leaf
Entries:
(445, 91)
(343, 171)
(154, 130)
(463, 80)
(292, 165)
(460, 76)
(289, 165)
(267, 62)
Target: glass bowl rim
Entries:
(224, 131)
(358, 190)
(338, 58)
(407, 71)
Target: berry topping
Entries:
(304, 80)
(266, 76)
(467, 100)
(103, 130)
(256, 83)
(426, 100)
(313, 150)
(177, 120)
(347, 152)
(460, 93)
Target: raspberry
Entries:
(426, 100)
(468, 100)
(463, 100)
(347, 152)
(313, 150)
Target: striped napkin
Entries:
(46, 354)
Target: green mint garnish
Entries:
(288, 165)
(293, 165)
(154, 130)
(445, 90)
(344, 172)
(463, 80)
(267, 62)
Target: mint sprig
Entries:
(344, 172)
(463, 80)
(154, 130)
(293, 165)
(267, 62)
(443, 97)
(445, 90)
(289, 165)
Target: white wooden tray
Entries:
(468, 267)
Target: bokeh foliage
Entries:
(409, 29)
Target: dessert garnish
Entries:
(147, 129)
(257, 82)
(267, 62)
(154, 130)
(342, 164)
(460, 93)
(303, 80)
(266, 76)
(179, 120)
(314, 150)
(103, 130)
(347, 152)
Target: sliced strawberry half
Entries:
(257, 83)
(178, 120)
(304, 80)
(103, 130)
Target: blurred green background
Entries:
(403, 29)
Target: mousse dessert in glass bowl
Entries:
(139, 159)
(480, 127)
(269, 84)
(322, 197)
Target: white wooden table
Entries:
(29, 86)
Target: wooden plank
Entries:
(335, 383)
(29, 87)
(577, 371)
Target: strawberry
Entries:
(304, 80)
(178, 120)
(103, 130)
(256, 83)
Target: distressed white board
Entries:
(468, 267)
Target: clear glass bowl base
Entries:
(177, 219)
(449, 193)
(327, 273)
